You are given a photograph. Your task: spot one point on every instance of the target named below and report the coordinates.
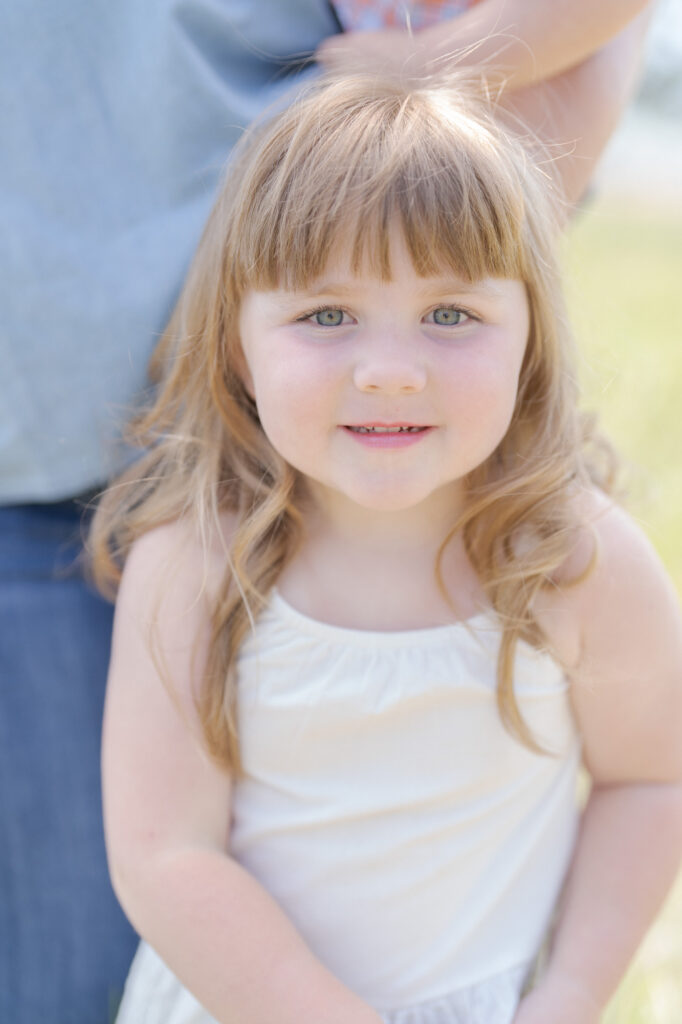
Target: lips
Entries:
(387, 435)
(386, 430)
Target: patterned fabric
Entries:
(374, 14)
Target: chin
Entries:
(387, 500)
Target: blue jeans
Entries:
(65, 945)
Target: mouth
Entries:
(387, 436)
(388, 428)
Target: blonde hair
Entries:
(347, 159)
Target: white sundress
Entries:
(418, 847)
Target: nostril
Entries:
(390, 379)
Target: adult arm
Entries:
(565, 71)
(627, 697)
(521, 42)
(167, 811)
(574, 114)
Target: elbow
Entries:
(127, 880)
(674, 797)
(666, 822)
(158, 883)
(656, 805)
(137, 873)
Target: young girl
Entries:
(376, 604)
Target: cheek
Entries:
(295, 403)
(483, 395)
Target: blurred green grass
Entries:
(624, 277)
(624, 288)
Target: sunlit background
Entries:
(624, 263)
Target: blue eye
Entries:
(448, 316)
(328, 317)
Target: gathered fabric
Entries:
(154, 996)
(493, 1000)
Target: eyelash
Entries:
(320, 309)
(323, 309)
(455, 309)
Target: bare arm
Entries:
(567, 70)
(167, 811)
(627, 691)
(575, 113)
(521, 41)
(530, 40)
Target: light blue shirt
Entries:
(115, 122)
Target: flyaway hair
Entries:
(348, 159)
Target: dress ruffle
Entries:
(491, 1001)
(154, 995)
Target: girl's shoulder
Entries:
(172, 576)
(164, 611)
(615, 619)
(611, 574)
(612, 570)
(179, 554)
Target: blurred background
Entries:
(624, 268)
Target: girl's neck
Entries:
(393, 533)
(377, 571)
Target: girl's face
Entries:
(385, 393)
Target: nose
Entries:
(390, 365)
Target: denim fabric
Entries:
(64, 943)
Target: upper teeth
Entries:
(383, 430)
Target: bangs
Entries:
(341, 170)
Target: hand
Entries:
(386, 50)
(559, 1001)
